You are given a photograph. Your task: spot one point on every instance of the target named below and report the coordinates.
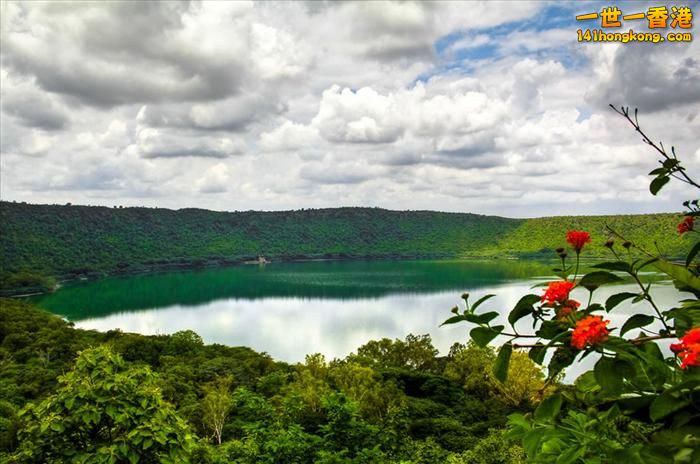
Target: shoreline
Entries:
(145, 269)
(23, 292)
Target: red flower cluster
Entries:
(557, 292)
(589, 331)
(578, 239)
(689, 348)
(686, 225)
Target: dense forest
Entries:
(68, 394)
(42, 243)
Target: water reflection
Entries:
(336, 280)
(289, 311)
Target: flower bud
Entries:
(559, 250)
(610, 243)
(627, 244)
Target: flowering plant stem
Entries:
(632, 376)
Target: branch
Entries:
(635, 123)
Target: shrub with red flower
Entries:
(688, 350)
(557, 292)
(634, 375)
(589, 331)
(577, 239)
(686, 225)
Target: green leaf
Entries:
(629, 454)
(693, 252)
(523, 308)
(478, 302)
(608, 374)
(680, 274)
(537, 353)
(57, 427)
(518, 420)
(586, 382)
(616, 299)
(645, 263)
(453, 320)
(550, 329)
(571, 455)
(500, 367)
(685, 317)
(665, 404)
(531, 441)
(562, 358)
(483, 335)
(595, 279)
(636, 321)
(621, 266)
(548, 408)
(670, 163)
(487, 317)
(658, 183)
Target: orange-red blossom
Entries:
(589, 331)
(557, 292)
(688, 350)
(577, 239)
(686, 225)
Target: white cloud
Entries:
(214, 180)
(288, 136)
(168, 143)
(291, 105)
(362, 116)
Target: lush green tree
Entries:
(376, 398)
(344, 430)
(470, 366)
(344, 411)
(416, 352)
(495, 448)
(525, 384)
(103, 411)
(8, 426)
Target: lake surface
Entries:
(332, 307)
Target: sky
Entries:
(482, 107)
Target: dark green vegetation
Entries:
(174, 399)
(52, 241)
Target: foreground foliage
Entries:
(171, 398)
(103, 411)
(641, 401)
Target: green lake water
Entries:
(292, 309)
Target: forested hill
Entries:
(69, 240)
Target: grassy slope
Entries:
(653, 232)
(60, 240)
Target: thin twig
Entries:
(635, 123)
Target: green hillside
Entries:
(72, 241)
(653, 232)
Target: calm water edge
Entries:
(332, 307)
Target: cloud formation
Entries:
(478, 107)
